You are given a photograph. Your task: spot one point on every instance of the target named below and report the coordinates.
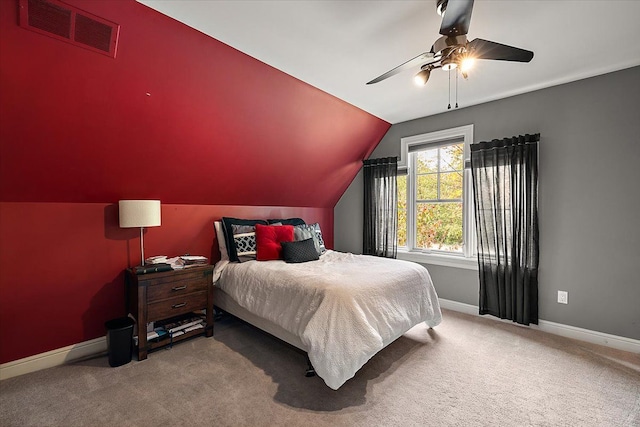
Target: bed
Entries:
(341, 309)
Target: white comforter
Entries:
(344, 307)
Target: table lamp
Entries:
(139, 213)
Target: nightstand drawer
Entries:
(176, 305)
(173, 289)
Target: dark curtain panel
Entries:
(505, 186)
(381, 207)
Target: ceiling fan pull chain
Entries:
(449, 107)
(456, 88)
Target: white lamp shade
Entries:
(139, 213)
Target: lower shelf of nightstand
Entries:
(167, 341)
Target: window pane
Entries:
(427, 186)
(451, 185)
(439, 226)
(427, 161)
(402, 210)
(451, 158)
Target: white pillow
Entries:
(224, 255)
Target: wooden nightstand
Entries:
(158, 296)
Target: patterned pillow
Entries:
(316, 234)
(302, 232)
(301, 251)
(321, 248)
(228, 233)
(244, 239)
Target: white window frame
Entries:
(468, 259)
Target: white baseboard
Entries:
(458, 306)
(594, 337)
(53, 358)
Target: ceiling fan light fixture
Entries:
(422, 77)
(466, 64)
(452, 51)
(449, 66)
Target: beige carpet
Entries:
(469, 371)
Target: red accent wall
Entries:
(218, 127)
(176, 116)
(62, 264)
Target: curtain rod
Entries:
(383, 158)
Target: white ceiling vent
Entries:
(63, 22)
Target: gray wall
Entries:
(589, 196)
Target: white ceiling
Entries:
(338, 46)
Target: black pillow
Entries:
(228, 233)
(288, 221)
(300, 251)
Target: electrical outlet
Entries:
(563, 297)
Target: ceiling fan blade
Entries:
(485, 49)
(457, 18)
(423, 58)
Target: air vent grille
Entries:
(50, 18)
(60, 21)
(92, 33)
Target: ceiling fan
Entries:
(452, 49)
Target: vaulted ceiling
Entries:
(283, 121)
(338, 46)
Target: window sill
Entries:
(444, 260)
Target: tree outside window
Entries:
(402, 211)
(438, 174)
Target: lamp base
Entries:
(142, 246)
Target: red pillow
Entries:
(268, 238)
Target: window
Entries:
(435, 205)
(402, 208)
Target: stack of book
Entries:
(194, 260)
(177, 326)
(157, 264)
(156, 335)
(152, 268)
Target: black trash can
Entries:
(119, 340)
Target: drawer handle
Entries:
(182, 304)
(179, 288)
